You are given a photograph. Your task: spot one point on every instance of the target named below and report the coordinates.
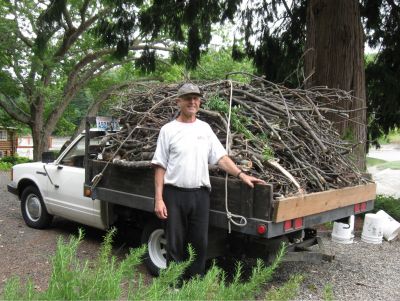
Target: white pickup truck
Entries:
(64, 187)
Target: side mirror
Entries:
(48, 157)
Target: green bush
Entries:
(110, 279)
(389, 204)
(5, 166)
(13, 160)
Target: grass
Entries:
(328, 293)
(374, 161)
(392, 137)
(110, 279)
(286, 292)
(382, 164)
(389, 164)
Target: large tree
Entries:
(335, 58)
(50, 50)
(322, 42)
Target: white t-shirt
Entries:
(184, 151)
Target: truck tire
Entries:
(153, 236)
(33, 209)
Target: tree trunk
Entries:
(336, 40)
(39, 136)
(40, 143)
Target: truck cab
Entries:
(56, 188)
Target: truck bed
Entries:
(134, 188)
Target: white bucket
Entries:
(372, 229)
(343, 233)
(391, 227)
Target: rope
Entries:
(230, 216)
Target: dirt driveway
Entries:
(26, 252)
(360, 271)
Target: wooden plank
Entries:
(308, 204)
(262, 201)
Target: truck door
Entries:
(65, 195)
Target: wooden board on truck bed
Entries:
(308, 204)
(120, 182)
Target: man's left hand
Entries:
(250, 180)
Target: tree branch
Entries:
(73, 34)
(83, 10)
(13, 110)
(67, 18)
(91, 57)
(70, 94)
(287, 9)
(19, 77)
(24, 39)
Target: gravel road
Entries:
(360, 271)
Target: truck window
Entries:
(76, 155)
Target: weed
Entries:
(328, 293)
(286, 292)
(110, 279)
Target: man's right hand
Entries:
(160, 209)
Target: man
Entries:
(185, 147)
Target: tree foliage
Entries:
(382, 19)
(50, 52)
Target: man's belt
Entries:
(186, 189)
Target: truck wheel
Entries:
(33, 209)
(156, 256)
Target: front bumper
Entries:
(12, 187)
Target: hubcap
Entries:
(33, 207)
(157, 248)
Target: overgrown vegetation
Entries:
(389, 204)
(286, 292)
(392, 137)
(6, 163)
(108, 278)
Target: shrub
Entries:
(5, 166)
(389, 204)
(13, 160)
(111, 279)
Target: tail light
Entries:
(261, 229)
(363, 206)
(291, 224)
(12, 174)
(360, 207)
(298, 223)
(287, 225)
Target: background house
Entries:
(25, 145)
(8, 141)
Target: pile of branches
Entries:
(277, 134)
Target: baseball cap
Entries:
(188, 89)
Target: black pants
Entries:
(187, 223)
